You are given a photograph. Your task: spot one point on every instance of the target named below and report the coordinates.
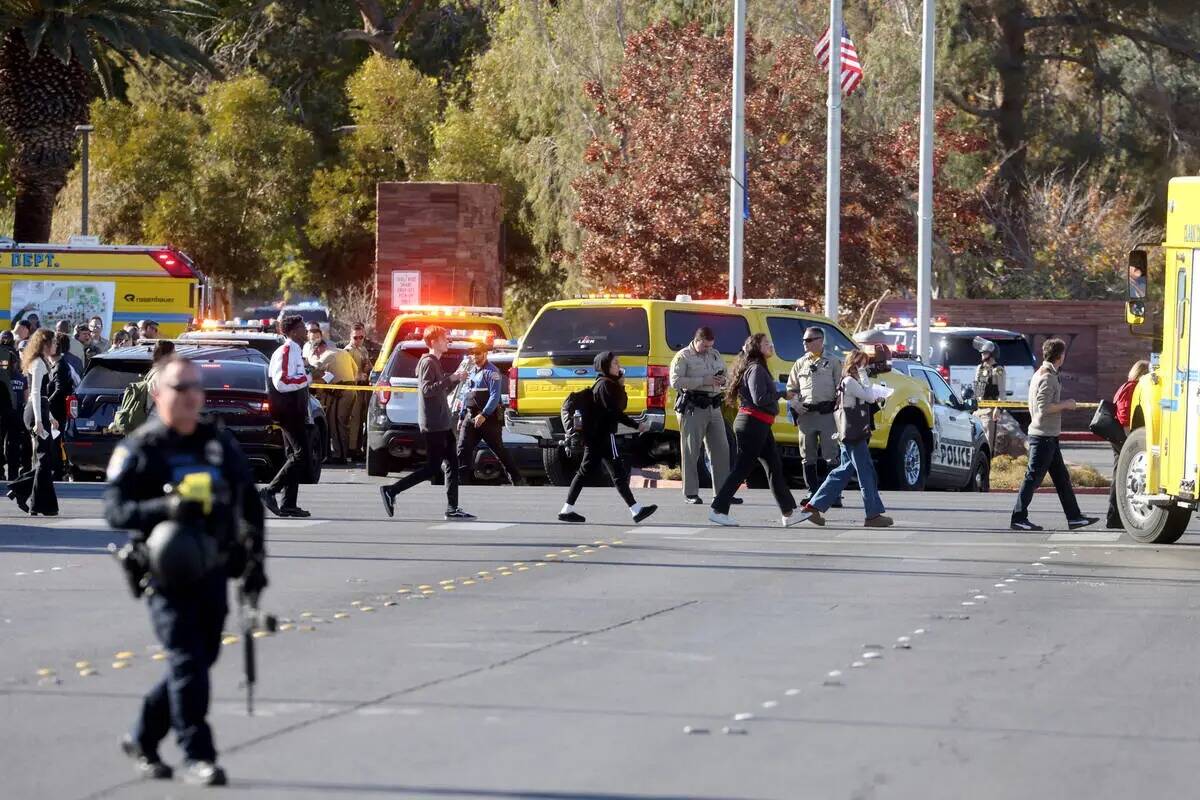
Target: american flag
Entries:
(852, 71)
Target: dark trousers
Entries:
(35, 486)
(296, 469)
(597, 453)
(1045, 455)
(1114, 516)
(492, 434)
(17, 456)
(756, 445)
(440, 453)
(189, 627)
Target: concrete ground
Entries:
(518, 657)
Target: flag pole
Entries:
(737, 153)
(925, 199)
(833, 162)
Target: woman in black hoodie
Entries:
(600, 421)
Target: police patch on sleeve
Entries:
(118, 462)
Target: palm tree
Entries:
(53, 53)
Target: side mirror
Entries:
(1135, 306)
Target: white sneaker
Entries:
(795, 518)
(722, 519)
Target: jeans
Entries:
(597, 453)
(1045, 455)
(440, 452)
(856, 458)
(189, 626)
(756, 444)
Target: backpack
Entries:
(134, 407)
(575, 413)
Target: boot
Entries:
(823, 471)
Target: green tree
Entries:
(49, 52)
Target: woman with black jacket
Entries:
(600, 421)
(757, 395)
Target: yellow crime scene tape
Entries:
(354, 387)
(1013, 404)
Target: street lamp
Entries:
(85, 130)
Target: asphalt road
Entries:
(522, 658)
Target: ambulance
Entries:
(118, 283)
(1159, 464)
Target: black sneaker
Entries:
(204, 773)
(1025, 525)
(692, 499)
(736, 501)
(1082, 522)
(269, 501)
(293, 511)
(644, 513)
(389, 502)
(571, 516)
(458, 513)
(146, 766)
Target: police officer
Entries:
(481, 418)
(357, 348)
(209, 504)
(698, 377)
(811, 391)
(989, 376)
(12, 400)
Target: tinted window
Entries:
(102, 376)
(943, 395)
(215, 375)
(309, 314)
(958, 351)
(787, 333)
(589, 330)
(403, 363)
(731, 330)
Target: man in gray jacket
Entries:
(1045, 409)
(434, 387)
(698, 376)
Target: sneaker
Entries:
(814, 516)
(878, 521)
(571, 516)
(204, 773)
(795, 518)
(293, 511)
(1082, 522)
(458, 513)
(389, 501)
(269, 501)
(146, 766)
(722, 519)
(692, 499)
(644, 513)
(1024, 525)
(736, 501)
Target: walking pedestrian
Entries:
(603, 415)
(855, 398)
(33, 491)
(357, 349)
(1123, 400)
(698, 377)
(287, 391)
(433, 418)
(481, 418)
(754, 390)
(811, 391)
(1045, 410)
(209, 504)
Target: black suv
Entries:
(235, 391)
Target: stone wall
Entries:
(449, 233)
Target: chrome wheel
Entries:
(1135, 489)
(912, 462)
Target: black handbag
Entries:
(1105, 425)
(853, 421)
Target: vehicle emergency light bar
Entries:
(450, 311)
(774, 302)
(462, 344)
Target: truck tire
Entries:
(377, 462)
(319, 444)
(906, 463)
(1144, 523)
(559, 469)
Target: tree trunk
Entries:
(1012, 179)
(41, 101)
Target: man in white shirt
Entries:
(288, 391)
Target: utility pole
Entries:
(833, 163)
(925, 201)
(737, 153)
(83, 223)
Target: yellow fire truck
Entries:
(1157, 469)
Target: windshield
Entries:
(589, 330)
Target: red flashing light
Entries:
(657, 381)
(383, 393)
(944, 371)
(512, 388)
(901, 347)
(175, 263)
(73, 407)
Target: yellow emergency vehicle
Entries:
(484, 323)
(556, 355)
(118, 283)
(1158, 466)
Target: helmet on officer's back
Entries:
(180, 555)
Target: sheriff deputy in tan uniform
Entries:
(698, 376)
(811, 392)
(357, 348)
(989, 376)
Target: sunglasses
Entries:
(314, 330)
(186, 386)
(357, 338)
(814, 339)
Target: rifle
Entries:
(251, 619)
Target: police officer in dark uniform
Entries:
(184, 490)
(12, 401)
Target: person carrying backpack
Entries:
(134, 407)
(600, 420)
